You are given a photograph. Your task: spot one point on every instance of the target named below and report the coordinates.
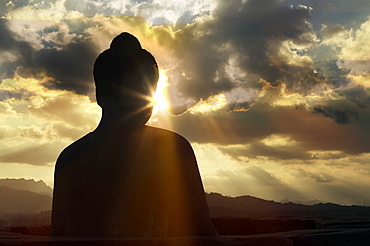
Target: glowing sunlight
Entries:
(159, 98)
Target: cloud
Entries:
(342, 180)
(68, 110)
(65, 60)
(353, 57)
(5, 131)
(38, 123)
(69, 68)
(356, 48)
(241, 54)
(62, 53)
(237, 51)
(237, 48)
(320, 177)
(355, 67)
(156, 12)
(280, 132)
(38, 155)
(334, 34)
(359, 95)
(244, 35)
(339, 116)
(19, 51)
(19, 94)
(261, 150)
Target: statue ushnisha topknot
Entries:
(125, 41)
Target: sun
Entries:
(159, 98)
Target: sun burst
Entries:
(159, 99)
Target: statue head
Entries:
(125, 77)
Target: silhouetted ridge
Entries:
(28, 184)
(248, 206)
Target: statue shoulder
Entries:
(167, 135)
(72, 151)
(172, 146)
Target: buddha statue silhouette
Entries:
(126, 179)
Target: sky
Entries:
(273, 95)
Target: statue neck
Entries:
(115, 118)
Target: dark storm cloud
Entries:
(67, 65)
(244, 35)
(20, 51)
(306, 133)
(345, 111)
(338, 115)
(71, 67)
(359, 95)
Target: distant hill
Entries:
(28, 184)
(22, 196)
(248, 206)
(19, 201)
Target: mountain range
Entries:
(25, 208)
(22, 201)
(248, 206)
(39, 187)
(22, 196)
